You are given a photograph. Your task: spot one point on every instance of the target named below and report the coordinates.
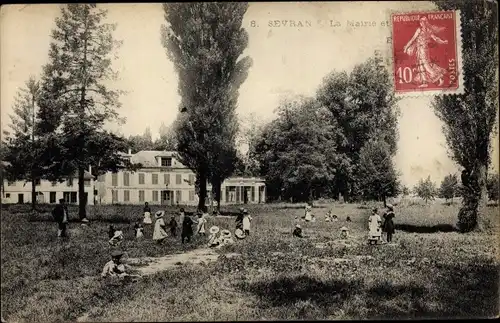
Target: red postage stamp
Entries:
(427, 53)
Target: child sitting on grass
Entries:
(297, 232)
(116, 239)
(213, 239)
(225, 238)
(115, 268)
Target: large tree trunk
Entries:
(82, 213)
(384, 199)
(202, 195)
(467, 216)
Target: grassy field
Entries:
(432, 271)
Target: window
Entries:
(155, 196)
(73, 197)
(69, 181)
(178, 179)
(114, 196)
(7, 195)
(166, 179)
(141, 178)
(126, 195)
(141, 196)
(37, 182)
(86, 182)
(166, 162)
(191, 195)
(178, 196)
(154, 179)
(52, 197)
(10, 183)
(114, 179)
(126, 179)
(54, 183)
(191, 179)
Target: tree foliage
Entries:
(205, 41)
(426, 189)
(77, 100)
(493, 187)
(297, 151)
(364, 107)
(22, 144)
(377, 173)
(358, 108)
(449, 187)
(469, 119)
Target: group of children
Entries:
(161, 228)
(375, 224)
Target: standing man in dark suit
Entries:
(60, 214)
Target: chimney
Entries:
(130, 151)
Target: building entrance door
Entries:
(167, 197)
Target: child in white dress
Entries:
(139, 230)
(159, 233)
(246, 222)
(147, 214)
(200, 229)
(374, 222)
(308, 213)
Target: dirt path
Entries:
(148, 266)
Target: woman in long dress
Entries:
(147, 214)
(428, 72)
(159, 233)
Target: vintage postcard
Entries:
(249, 161)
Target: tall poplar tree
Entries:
(205, 41)
(469, 119)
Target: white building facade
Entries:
(19, 192)
(164, 180)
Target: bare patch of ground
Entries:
(148, 266)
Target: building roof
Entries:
(148, 157)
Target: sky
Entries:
(287, 60)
